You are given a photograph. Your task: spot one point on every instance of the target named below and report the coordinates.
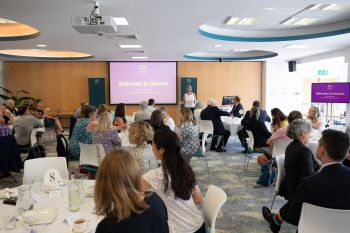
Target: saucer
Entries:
(64, 182)
(90, 228)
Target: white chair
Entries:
(34, 169)
(315, 219)
(33, 136)
(205, 127)
(249, 154)
(279, 147)
(281, 174)
(212, 202)
(91, 154)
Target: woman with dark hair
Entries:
(80, 133)
(174, 181)
(279, 120)
(157, 121)
(119, 117)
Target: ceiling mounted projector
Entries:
(95, 23)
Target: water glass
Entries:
(9, 222)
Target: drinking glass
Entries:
(24, 199)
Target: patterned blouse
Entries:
(79, 135)
(145, 157)
(190, 141)
(109, 139)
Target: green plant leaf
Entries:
(7, 90)
(23, 91)
(5, 97)
(26, 98)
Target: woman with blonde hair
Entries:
(188, 134)
(314, 118)
(104, 132)
(119, 198)
(140, 133)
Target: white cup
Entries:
(80, 225)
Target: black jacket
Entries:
(10, 158)
(262, 117)
(213, 113)
(330, 189)
(299, 162)
(259, 130)
(235, 110)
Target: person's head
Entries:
(140, 132)
(102, 108)
(199, 105)
(299, 129)
(2, 120)
(333, 146)
(143, 105)
(22, 110)
(189, 88)
(187, 116)
(178, 174)
(39, 104)
(256, 103)
(277, 116)
(105, 121)
(10, 103)
(236, 99)
(90, 112)
(163, 111)
(151, 102)
(156, 118)
(254, 112)
(120, 110)
(118, 186)
(314, 112)
(294, 115)
(211, 102)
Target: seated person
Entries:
(10, 105)
(23, 126)
(151, 105)
(260, 133)
(168, 120)
(174, 181)
(279, 120)
(49, 121)
(329, 188)
(299, 161)
(213, 113)
(120, 199)
(4, 129)
(7, 115)
(120, 121)
(157, 121)
(198, 109)
(143, 114)
(263, 117)
(140, 133)
(80, 133)
(314, 118)
(281, 133)
(237, 108)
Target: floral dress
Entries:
(79, 135)
(145, 157)
(190, 141)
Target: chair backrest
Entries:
(33, 136)
(212, 202)
(91, 154)
(281, 171)
(279, 147)
(251, 139)
(206, 126)
(315, 219)
(35, 169)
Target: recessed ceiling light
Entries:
(41, 45)
(130, 46)
(217, 45)
(332, 7)
(232, 21)
(289, 21)
(305, 21)
(269, 9)
(315, 7)
(121, 21)
(139, 57)
(295, 46)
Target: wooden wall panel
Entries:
(63, 85)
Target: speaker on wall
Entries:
(292, 66)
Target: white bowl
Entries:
(30, 216)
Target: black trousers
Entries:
(225, 135)
(242, 135)
(202, 229)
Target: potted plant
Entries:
(16, 97)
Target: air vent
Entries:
(137, 51)
(122, 37)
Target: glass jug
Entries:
(24, 199)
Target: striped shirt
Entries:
(5, 131)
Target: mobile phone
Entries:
(10, 201)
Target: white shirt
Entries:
(169, 122)
(183, 215)
(326, 164)
(190, 100)
(142, 115)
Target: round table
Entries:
(232, 124)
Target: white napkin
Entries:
(8, 193)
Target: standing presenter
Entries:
(189, 98)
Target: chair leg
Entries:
(14, 178)
(206, 163)
(246, 170)
(273, 200)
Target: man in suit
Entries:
(237, 109)
(213, 113)
(329, 188)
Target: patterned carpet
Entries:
(242, 211)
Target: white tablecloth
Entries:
(58, 225)
(232, 124)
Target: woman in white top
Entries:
(175, 182)
(314, 118)
(189, 98)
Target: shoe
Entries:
(220, 149)
(260, 186)
(268, 216)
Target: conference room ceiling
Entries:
(167, 30)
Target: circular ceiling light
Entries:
(43, 54)
(12, 30)
(231, 55)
